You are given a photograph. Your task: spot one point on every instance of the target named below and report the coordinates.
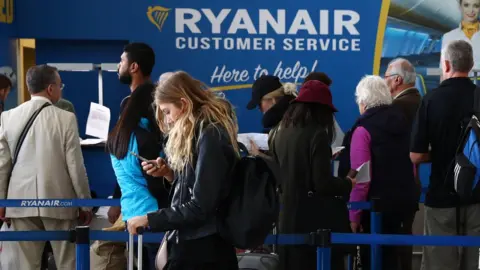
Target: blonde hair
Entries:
(203, 107)
(288, 89)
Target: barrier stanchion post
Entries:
(82, 240)
(140, 231)
(375, 228)
(322, 239)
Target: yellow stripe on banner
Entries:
(235, 87)
(231, 87)
(382, 25)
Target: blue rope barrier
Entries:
(65, 203)
(283, 239)
(35, 236)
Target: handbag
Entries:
(162, 255)
(22, 138)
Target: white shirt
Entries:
(458, 34)
(41, 98)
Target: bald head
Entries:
(400, 75)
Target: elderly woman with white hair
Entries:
(380, 140)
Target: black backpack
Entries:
(252, 207)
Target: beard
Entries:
(125, 78)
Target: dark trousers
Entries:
(393, 257)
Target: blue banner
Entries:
(230, 44)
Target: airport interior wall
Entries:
(95, 32)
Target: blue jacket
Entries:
(136, 199)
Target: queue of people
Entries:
(188, 136)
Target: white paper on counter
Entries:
(92, 141)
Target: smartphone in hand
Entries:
(143, 159)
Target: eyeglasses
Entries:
(391, 75)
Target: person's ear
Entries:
(134, 67)
(50, 89)
(398, 80)
(446, 66)
(183, 105)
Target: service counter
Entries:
(99, 170)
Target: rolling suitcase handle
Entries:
(131, 245)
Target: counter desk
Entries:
(99, 170)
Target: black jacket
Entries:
(392, 171)
(198, 192)
(305, 158)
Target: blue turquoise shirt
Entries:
(136, 200)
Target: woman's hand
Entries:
(356, 228)
(353, 180)
(136, 222)
(254, 150)
(158, 168)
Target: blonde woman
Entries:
(202, 150)
(469, 29)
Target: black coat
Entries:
(305, 156)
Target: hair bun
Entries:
(290, 89)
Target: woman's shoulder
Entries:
(452, 34)
(212, 131)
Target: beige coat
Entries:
(50, 162)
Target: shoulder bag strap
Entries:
(476, 102)
(23, 135)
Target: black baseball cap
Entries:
(261, 87)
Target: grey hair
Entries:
(372, 91)
(403, 68)
(460, 55)
(40, 77)
(165, 76)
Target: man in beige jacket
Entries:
(49, 166)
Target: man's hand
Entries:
(158, 168)
(136, 222)
(85, 217)
(2, 215)
(114, 214)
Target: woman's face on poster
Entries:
(470, 10)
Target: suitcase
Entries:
(258, 259)
(130, 247)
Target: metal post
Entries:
(82, 241)
(130, 246)
(376, 228)
(140, 231)
(322, 239)
(100, 86)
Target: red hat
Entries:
(315, 92)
